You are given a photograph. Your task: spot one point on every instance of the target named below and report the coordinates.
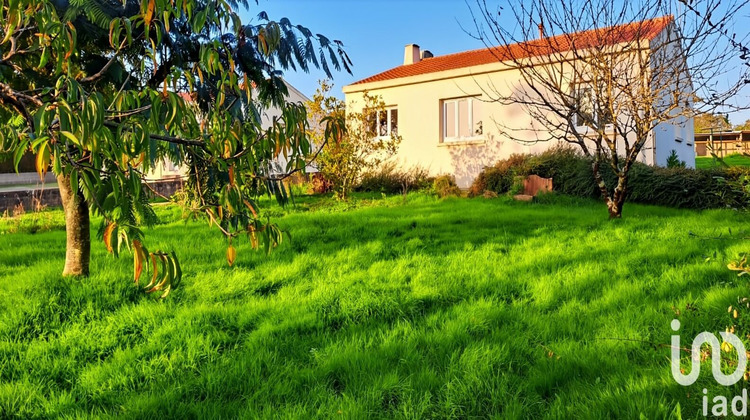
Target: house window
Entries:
(384, 123)
(590, 112)
(462, 119)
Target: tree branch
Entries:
(168, 139)
(8, 96)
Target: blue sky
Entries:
(375, 32)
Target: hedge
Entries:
(572, 174)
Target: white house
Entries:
(267, 115)
(440, 106)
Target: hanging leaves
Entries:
(166, 273)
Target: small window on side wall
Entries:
(590, 112)
(384, 123)
(462, 119)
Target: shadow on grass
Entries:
(453, 308)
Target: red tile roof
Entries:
(648, 29)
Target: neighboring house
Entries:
(722, 143)
(170, 170)
(28, 179)
(267, 115)
(440, 107)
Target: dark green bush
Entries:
(389, 178)
(572, 174)
(491, 179)
(501, 177)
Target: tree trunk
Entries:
(614, 207)
(615, 201)
(77, 229)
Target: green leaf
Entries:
(70, 136)
(18, 154)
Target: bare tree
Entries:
(614, 71)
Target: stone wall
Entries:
(32, 199)
(29, 200)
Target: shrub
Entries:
(491, 179)
(489, 194)
(501, 178)
(674, 162)
(445, 186)
(390, 179)
(319, 184)
(572, 174)
(359, 149)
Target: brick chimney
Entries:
(541, 31)
(411, 54)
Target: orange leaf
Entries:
(227, 148)
(149, 12)
(108, 236)
(231, 255)
(138, 257)
(251, 208)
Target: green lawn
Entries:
(731, 160)
(425, 309)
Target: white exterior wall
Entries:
(677, 134)
(668, 136)
(267, 116)
(420, 121)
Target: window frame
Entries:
(389, 126)
(589, 85)
(444, 138)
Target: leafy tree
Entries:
(743, 127)
(103, 91)
(360, 149)
(708, 122)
